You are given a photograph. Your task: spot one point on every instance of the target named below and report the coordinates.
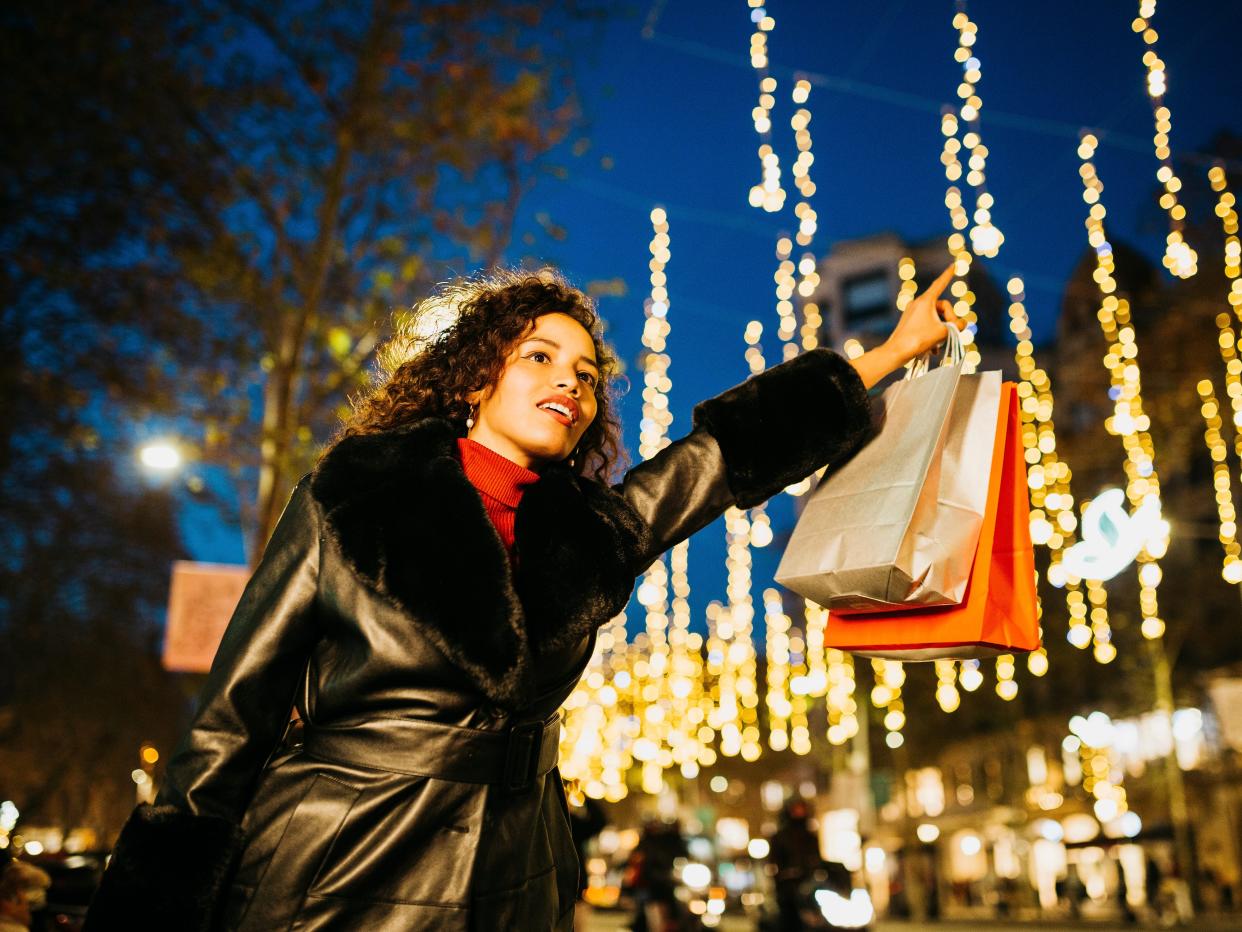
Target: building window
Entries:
(867, 296)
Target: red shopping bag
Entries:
(998, 614)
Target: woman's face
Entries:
(545, 397)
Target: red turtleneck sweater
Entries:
(500, 483)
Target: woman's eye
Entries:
(538, 356)
(588, 378)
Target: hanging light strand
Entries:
(1054, 522)
(1227, 211)
(841, 698)
(808, 222)
(947, 695)
(800, 690)
(890, 676)
(1179, 258)
(1228, 338)
(777, 699)
(674, 665)
(1221, 480)
(1209, 407)
(738, 718)
(786, 284)
(595, 735)
(1128, 420)
(963, 297)
(985, 237)
(685, 681)
(653, 673)
(768, 193)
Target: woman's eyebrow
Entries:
(552, 343)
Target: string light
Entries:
(777, 624)
(969, 675)
(964, 298)
(596, 735)
(686, 681)
(808, 221)
(786, 283)
(800, 699)
(736, 716)
(1102, 774)
(800, 122)
(1053, 519)
(652, 676)
(946, 686)
(842, 704)
(909, 287)
(653, 428)
(736, 713)
(985, 237)
(1179, 258)
(1210, 409)
(768, 194)
(1128, 420)
(1229, 222)
(890, 676)
(1006, 685)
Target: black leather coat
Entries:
(421, 790)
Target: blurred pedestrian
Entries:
(1123, 897)
(429, 599)
(1153, 887)
(23, 892)
(1075, 891)
(653, 877)
(794, 852)
(585, 822)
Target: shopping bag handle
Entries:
(955, 354)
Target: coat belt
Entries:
(512, 759)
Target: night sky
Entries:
(670, 105)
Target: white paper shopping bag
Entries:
(898, 525)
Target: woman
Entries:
(428, 600)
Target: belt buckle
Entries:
(522, 757)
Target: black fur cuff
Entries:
(779, 426)
(168, 871)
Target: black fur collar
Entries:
(404, 515)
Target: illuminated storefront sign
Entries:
(1111, 537)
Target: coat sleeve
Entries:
(173, 859)
(750, 442)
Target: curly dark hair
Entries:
(458, 340)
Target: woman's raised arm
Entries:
(749, 443)
(775, 428)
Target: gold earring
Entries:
(470, 418)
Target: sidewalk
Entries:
(1201, 923)
(614, 922)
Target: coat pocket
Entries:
(303, 849)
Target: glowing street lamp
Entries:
(160, 455)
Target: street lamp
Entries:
(160, 455)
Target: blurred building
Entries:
(860, 282)
(1012, 823)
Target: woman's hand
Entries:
(921, 327)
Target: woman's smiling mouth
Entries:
(563, 408)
